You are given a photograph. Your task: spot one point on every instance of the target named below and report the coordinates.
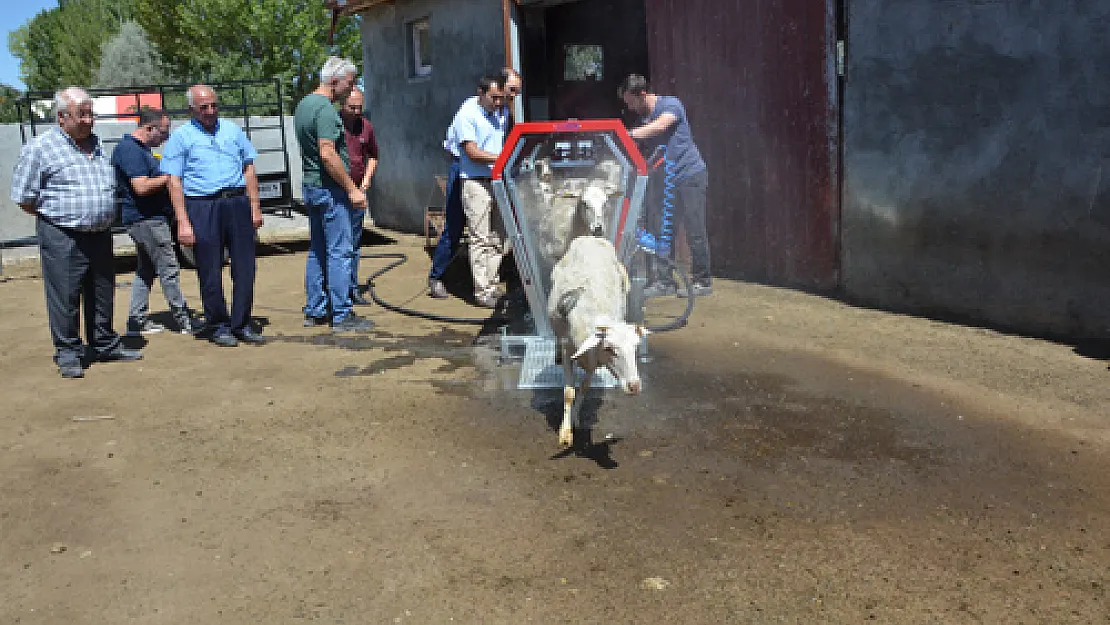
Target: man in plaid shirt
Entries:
(64, 179)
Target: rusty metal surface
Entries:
(758, 81)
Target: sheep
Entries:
(564, 219)
(587, 311)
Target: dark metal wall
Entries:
(759, 83)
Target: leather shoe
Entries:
(225, 339)
(358, 300)
(312, 322)
(352, 323)
(121, 354)
(436, 289)
(250, 337)
(71, 371)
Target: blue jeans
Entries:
(454, 222)
(328, 270)
(358, 218)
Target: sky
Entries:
(14, 15)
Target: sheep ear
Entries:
(587, 345)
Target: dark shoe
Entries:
(352, 323)
(224, 339)
(436, 289)
(659, 289)
(139, 328)
(701, 289)
(358, 300)
(71, 371)
(121, 354)
(313, 322)
(250, 337)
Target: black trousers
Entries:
(689, 211)
(78, 266)
(219, 223)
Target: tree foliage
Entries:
(61, 46)
(197, 41)
(9, 104)
(221, 40)
(130, 60)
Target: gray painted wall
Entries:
(15, 224)
(410, 114)
(976, 178)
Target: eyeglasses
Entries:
(80, 115)
(208, 107)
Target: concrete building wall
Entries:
(975, 171)
(410, 114)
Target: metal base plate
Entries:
(539, 370)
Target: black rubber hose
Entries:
(402, 259)
(680, 321)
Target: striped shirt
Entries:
(67, 187)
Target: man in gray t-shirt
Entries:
(665, 123)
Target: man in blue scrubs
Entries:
(214, 192)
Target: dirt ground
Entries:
(792, 460)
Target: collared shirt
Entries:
(68, 188)
(485, 129)
(133, 159)
(451, 138)
(208, 162)
(362, 145)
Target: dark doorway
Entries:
(577, 53)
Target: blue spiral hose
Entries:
(662, 245)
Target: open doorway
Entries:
(575, 54)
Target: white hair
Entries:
(336, 67)
(189, 93)
(70, 96)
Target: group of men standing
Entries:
(204, 185)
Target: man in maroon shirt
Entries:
(362, 149)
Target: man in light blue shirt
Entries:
(454, 219)
(480, 130)
(214, 192)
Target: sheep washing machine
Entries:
(552, 182)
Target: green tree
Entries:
(61, 46)
(130, 60)
(221, 40)
(9, 104)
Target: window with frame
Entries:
(420, 53)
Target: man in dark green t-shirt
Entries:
(331, 198)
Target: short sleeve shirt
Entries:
(316, 118)
(681, 150)
(208, 162)
(361, 146)
(485, 129)
(133, 159)
(67, 187)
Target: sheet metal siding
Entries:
(755, 78)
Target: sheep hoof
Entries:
(566, 437)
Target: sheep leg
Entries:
(566, 431)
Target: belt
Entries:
(222, 194)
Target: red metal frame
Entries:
(585, 125)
